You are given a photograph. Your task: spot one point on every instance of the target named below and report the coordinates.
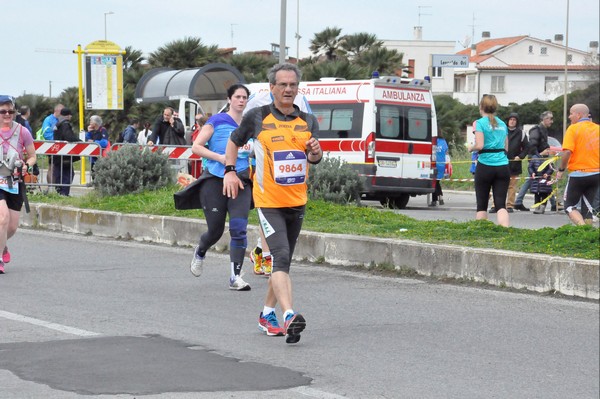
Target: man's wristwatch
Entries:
(229, 168)
(561, 169)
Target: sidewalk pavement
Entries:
(539, 273)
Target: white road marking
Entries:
(315, 393)
(47, 324)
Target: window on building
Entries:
(530, 49)
(569, 57)
(497, 84)
(544, 50)
(551, 84)
(471, 83)
(458, 87)
(436, 72)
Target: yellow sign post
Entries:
(106, 48)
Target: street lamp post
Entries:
(566, 91)
(105, 14)
(282, 32)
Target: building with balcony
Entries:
(521, 69)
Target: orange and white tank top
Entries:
(280, 180)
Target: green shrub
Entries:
(335, 181)
(131, 170)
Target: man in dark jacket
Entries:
(517, 151)
(538, 144)
(166, 129)
(130, 133)
(62, 171)
(538, 135)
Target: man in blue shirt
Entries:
(48, 133)
(51, 121)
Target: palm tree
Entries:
(132, 59)
(253, 67)
(381, 59)
(338, 69)
(186, 53)
(354, 45)
(327, 42)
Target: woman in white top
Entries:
(144, 133)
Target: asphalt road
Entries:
(84, 316)
(460, 206)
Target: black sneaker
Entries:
(522, 208)
(553, 208)
(493, 210)
(510, 210)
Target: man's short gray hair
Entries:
(283, 67)
(545, 115)
(95, 119)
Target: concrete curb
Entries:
(540, 273)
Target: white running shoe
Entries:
(196, 265)
(236, 283)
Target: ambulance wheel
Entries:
(401, 201)
(396, 202)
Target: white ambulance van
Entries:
(386, 128)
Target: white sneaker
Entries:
(196, 265)
(236, 283)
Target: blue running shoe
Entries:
(269, 324)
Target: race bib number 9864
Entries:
(290, 167)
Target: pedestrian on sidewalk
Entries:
(538, 144)
(518, 145)
(62, 172)
(440, 164)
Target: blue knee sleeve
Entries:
(237, 231)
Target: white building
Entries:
(417, 55)
(521, 69)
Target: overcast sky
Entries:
(39, 35)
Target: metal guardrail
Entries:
(179, 155)
(69, 154)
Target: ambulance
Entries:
(384, 127)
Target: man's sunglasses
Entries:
(7, 111)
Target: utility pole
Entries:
(298, 37)
(282, 32)
(565, 98)
(105, 14)
(50, 88)
(232, 34)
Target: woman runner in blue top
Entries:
(210, 144)
(492, 172)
